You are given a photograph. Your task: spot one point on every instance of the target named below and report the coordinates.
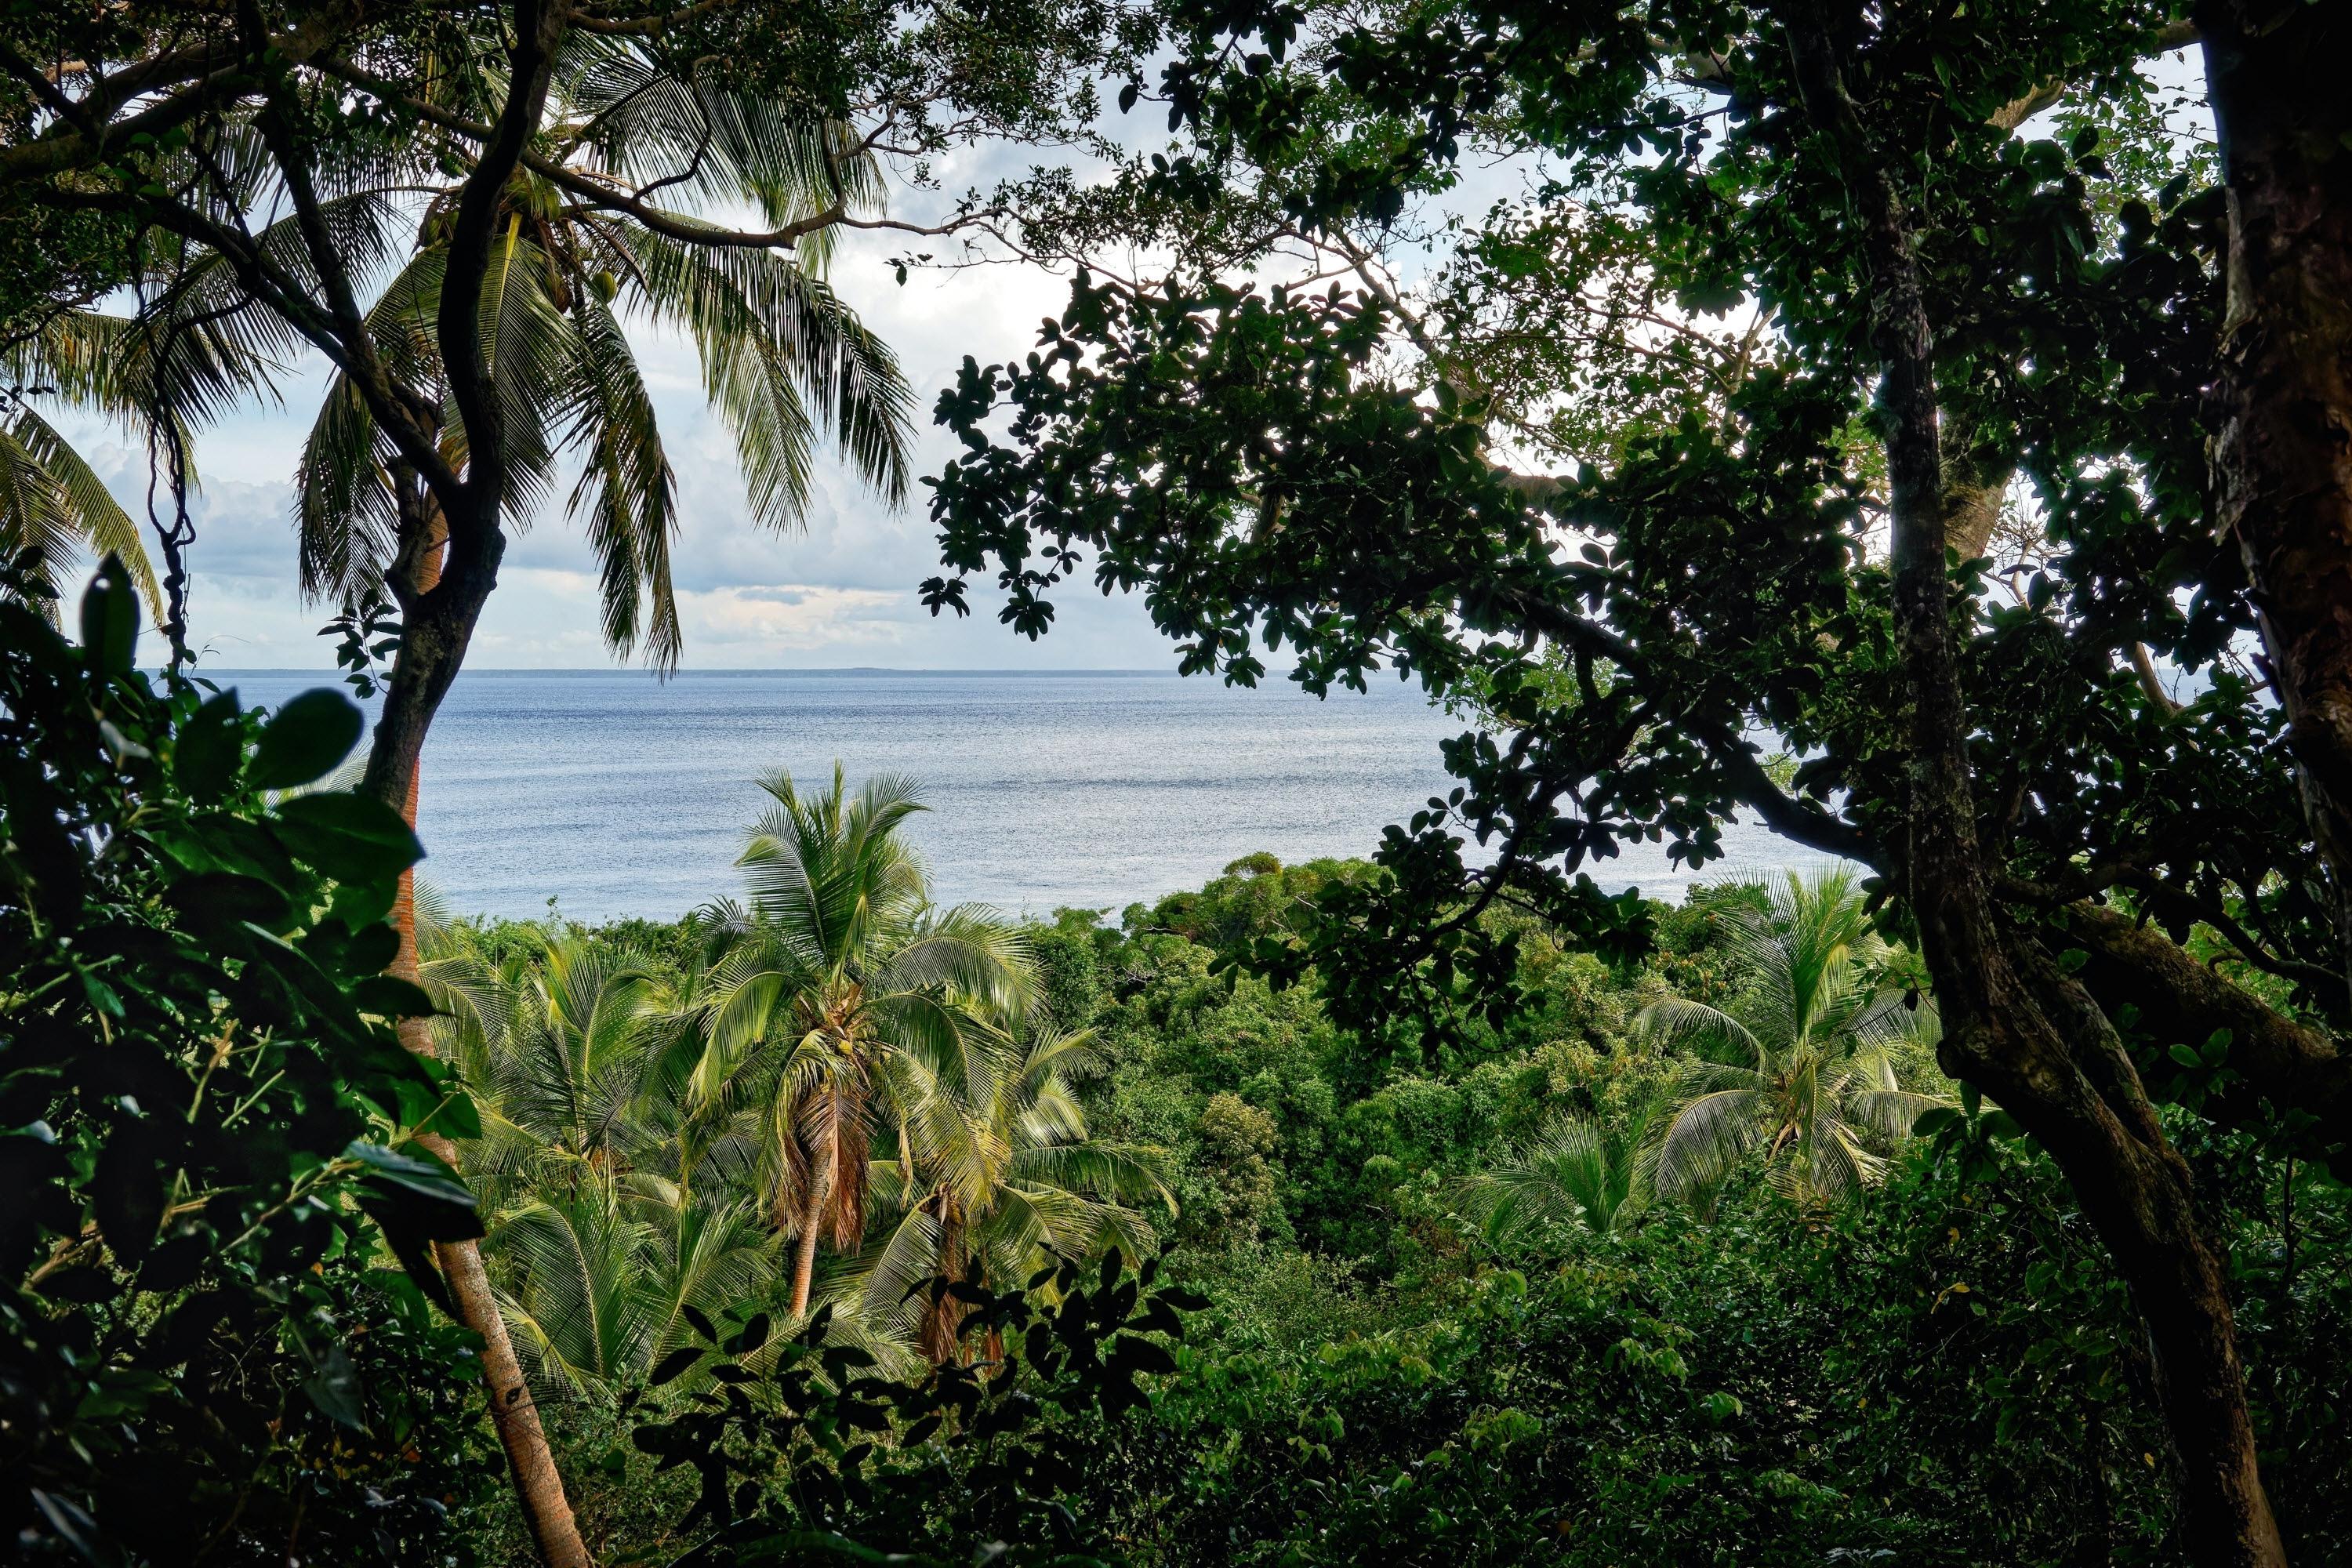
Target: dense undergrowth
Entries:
(1939, 1369)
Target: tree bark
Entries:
(2281, 404)
(450, 548)
(804, 1252)
(1974, 484)
(538, 1486)
(2291, 1065)
(2014, 1024)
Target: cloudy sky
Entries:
(843, 594)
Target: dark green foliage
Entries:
(802, 1456)
(1776, 1388)
(204, 1116)
(1944, 1369)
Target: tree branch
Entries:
(1744, 777)
(2292, 1065)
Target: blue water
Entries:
(616, 795)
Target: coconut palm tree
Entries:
(52, 503)
(845, 992)
(602, 224)
(1573, 1172)
(1802, 1065)
(611, 211)
(995, 1174)
(784, 360)
(159, 375)
(598, 1241)
(559, 1045)
(597, 1281)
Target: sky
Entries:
(842, 595)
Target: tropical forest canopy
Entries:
(1920, 429)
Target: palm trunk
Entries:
(805, 1253)
(538, 1486)
(941, 1333)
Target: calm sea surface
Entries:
(618, 795)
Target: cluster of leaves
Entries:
(1274, 466)
(1947, 1372)
(204, 1120)
(800, 1455)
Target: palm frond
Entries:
(1678, 1023)
(57, 499)
(1705, 1137)
(626, 495)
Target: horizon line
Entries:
(330, 672)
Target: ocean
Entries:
(601, 794)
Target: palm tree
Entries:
(598, 1282)
(845, 992)
(159, 374)
(610, 210)
(51, 503)
(1803, 1064)
(598, 1239)
(1572, 1172)
(559, 1045)
(996, 1174)
(784, 360)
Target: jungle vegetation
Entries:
(1915, 428)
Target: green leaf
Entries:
(754, 1335)
(389, 996)
(109, 619)
(85, 1284)
(1132, 1354)
(456, 1116)
(306, 739)
(215, 902)
(1930, 1122)
(211, 751)
(418, 1176)
(334, 1388)
(2186, 1056)
(348, 836)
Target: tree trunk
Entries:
(538, 1486)
(804, 1252)
(1975, 484)
(2279, 1062)
(2281, 404)
(393, 774)
(941, 1333)
(2014, 1024)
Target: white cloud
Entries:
(841, 591)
